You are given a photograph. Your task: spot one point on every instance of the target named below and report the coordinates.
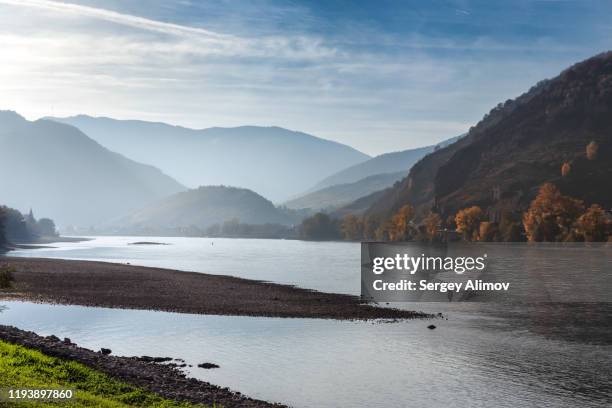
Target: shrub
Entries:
(6, 276)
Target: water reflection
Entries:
(471, 359)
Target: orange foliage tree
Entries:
(566, 168)
(593, 225)
(351, 228)
(551, 215)
(400, 227)
(468, 222)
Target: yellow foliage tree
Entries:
(468, 221)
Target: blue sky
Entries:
(378, 75)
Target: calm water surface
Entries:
(484, 355)
(327, 266)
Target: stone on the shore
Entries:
(149, 359)
(105, 351)
(431, 326)
(208, 365)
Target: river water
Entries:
(484, 355)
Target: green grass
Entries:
(21, 368)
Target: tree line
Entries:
(551, 217)
(16, 227)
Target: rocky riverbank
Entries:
(165, 380)
(135, 287)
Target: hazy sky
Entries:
(378, 75)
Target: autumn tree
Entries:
(551, 215)
(487, 231)
(432, 224)
(370, 225)
(591, 150)
(352, 228)
(510, 227)
(400, 227)
(468, 222)
(566, 168)
(593, 225)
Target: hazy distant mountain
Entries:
(275, 162)
(62, 174)
(518, 146)
(395, 162)
(205, 206)
(332, 197)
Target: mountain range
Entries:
(363, 179)
(61, 173)
(339, 195)
(394, 162)
(275, 162)
(518, 146)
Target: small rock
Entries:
(53, 338)
(431, 326)
(67, 341)
(105, 351)
(208, 365)
(149, 359)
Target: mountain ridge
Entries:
(63, 174)
(276, 162)
(519, 145)
(392, 162)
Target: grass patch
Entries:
(21, 368)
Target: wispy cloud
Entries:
(115, 17)
(376, 88)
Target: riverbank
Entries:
(113, 285)
(32, 361)
(39, 242)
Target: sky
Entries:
(379, 75)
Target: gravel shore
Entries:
(162, 379)
(135, 287)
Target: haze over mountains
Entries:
(63, 174)
(338, 195)
(203, 207)
(394, 162)
(520, 145)
(363, 179)
(275, 162)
